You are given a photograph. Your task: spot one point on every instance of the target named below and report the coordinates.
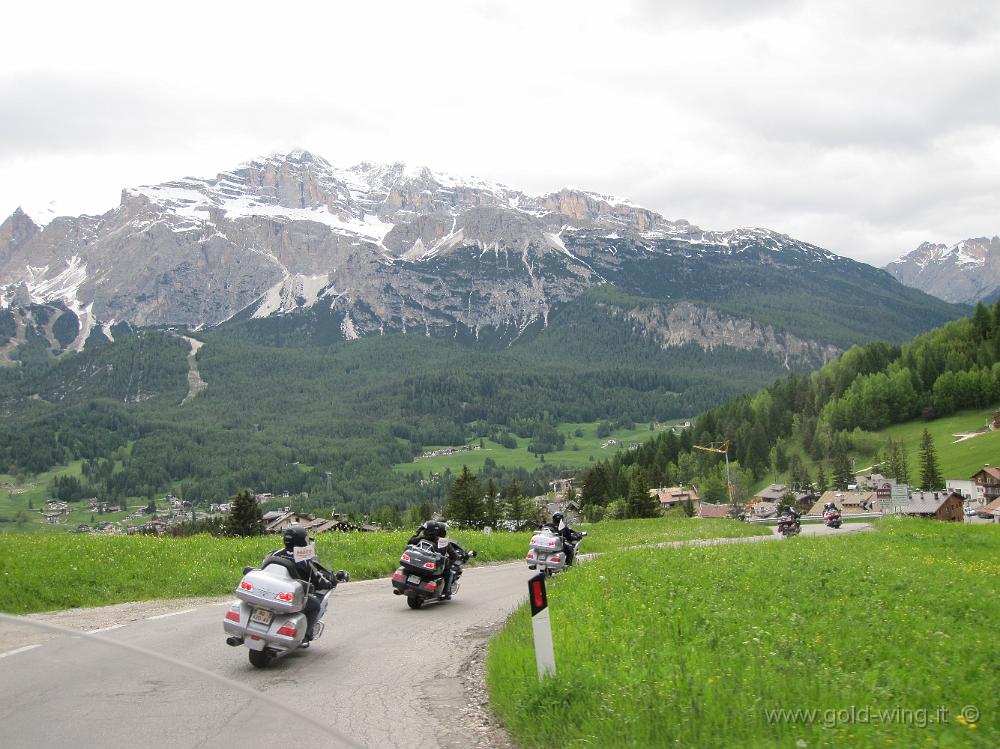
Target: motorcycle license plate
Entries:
(415, 579)
(261, 616)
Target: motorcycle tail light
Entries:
(285, 596)
(430, 585)
(405, 558)
(552, 543)
(288, 631)
(397, 575)
(245, 585)
(233, 616)
(430, 565)
(554, 559)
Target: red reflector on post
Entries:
(536, 593)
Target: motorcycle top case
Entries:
(416, 559)
(546, 542)
(272, 588)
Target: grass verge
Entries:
(703, 647)
(41, 572)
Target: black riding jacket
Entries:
(309, 571)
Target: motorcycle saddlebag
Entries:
(272, 588)
(420, 560)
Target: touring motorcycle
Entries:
(421, 574)
(269, 617)
(546, 551)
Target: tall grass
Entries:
(694, 646)
(41, 572)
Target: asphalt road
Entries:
(382, 675)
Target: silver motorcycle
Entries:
(270, 618)
(546, 551)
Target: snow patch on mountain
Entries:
(42, 214)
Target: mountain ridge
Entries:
(391, 248)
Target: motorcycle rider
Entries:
(569, 536)
(830, 507)
(309, 571)
(437, 533)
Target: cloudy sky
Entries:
(863, 126)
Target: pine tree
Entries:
(903, 470)
(841, 470)
(465, 500)
(930, 471)
(639, 503)
(521, 511)
(244, 516)
(820, 479)
(492, 506)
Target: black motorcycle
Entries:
(421, 574)
(789, 526)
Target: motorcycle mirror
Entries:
(584, 533)
(472, 553)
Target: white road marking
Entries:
(172, 613)
(20, 650)
(104, 629)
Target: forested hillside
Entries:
(821, 418)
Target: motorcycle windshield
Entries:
(134, 685)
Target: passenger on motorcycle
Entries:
(309, 571)
(830, 507)
(437, 533)
(569, 536)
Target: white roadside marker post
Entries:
(541, 625)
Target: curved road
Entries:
(380, 676)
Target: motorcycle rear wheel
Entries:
(414, 602)
(260, 658)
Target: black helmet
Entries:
(434, 530)
(557, 518)
(295, 535)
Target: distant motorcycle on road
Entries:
(547, 552)
(270, 618)
(421, 574)
(832, 518)
(789, 525)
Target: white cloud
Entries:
(863, 127)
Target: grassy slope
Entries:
(690, 647)
(958, 460)
(45, 572)
(588, 449)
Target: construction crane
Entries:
(722, 447)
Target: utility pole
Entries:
(723, 447)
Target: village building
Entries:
(989, 480)
(709, 510)
(968, 488)
(561, 486)
(285, 519)
(775, 494)
(936, 506)
(671, 496)
(850, 503)
(990, 511)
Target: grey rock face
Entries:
(966, 272)
(683, 323)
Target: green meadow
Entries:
(579, 451)
(869, 640)
(43, 572)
